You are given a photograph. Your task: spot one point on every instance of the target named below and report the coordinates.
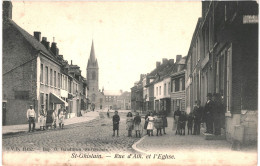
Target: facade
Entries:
(95, 96)
(178, 96)
(33, 72)
(223, 58)
(112, 99)
(124, 101)
(137, 95)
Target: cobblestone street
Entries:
(95, 135)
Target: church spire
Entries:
(92, 61)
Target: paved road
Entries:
(95, 135)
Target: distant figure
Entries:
(176, 116)
(146, 122)
(164, 119)
(31, 115)
(208, 114)
(49, 119)
(61, 116)
(197, 115)
(150, 125)
(190, 123)
(137, 124)
(116, 120)
(129, 123)
(108, 113)
(42, 118)
(54, 116)
(158, 124)
(182, 122)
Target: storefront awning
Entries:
(57, 100)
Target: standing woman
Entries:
(61, 117)
(165, 122)
(150, 125)
(137, 124)
(42, 118)
(146, 122)
(129, 123)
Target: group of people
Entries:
(159, 122)
(212, 114)
(47, 119)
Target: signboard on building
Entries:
(250, 19)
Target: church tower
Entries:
(92, 77)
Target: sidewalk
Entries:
(24, 127)
(193, 150)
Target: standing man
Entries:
(197, 112)
(31, 118)
(42, 118)
(116, 120)
(208, 112)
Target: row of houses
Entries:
(222, 58)
(35, 73)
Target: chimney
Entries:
(7, 9)
(164, 60)
(47, 45)
(37, 35)
(171, 61)
(178, 58)
(54, 48)
(61, 56)
(71, 62)
(158, 64)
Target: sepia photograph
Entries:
(129, 82)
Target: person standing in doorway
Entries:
(116, 120)
(31, 115)
(197, 114)
(42, 118)
(218, 111)
(208, 113)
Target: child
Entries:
(108, 113)
(146, 122)
(182, 122)
(61, 117)
(190, 123)
(150, 124)
(158, 124)
(129, 123)
(116, 119)
(137, 125)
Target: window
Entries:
(41, 75)
(66, 83)
(164, 90)
(51, 77)
(93, 75)
(156, 91)
(177, 85)
(169, 87)
(54, 78)
(46, 75)
(180, 83)
(46, 102)
(61, 79)
(183, 84)
(42, 98)
(229, 79)
(173, 85)
(160, 90)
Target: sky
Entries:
(129, 37)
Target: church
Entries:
(95, 95)
(103, 99)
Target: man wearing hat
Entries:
(208, 112)
(31, 118)
(42, 118)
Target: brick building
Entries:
(33, 72)
(223, 58)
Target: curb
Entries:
(134, 146)
(26, 131)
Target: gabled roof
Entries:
(31, 39)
